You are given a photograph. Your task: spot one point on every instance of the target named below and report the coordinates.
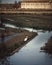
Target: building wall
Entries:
(38, 5)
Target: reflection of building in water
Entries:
(36, 4)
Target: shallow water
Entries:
(30, 54)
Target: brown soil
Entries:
(15, 43)
(9, 31)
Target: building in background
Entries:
(36, 4)
(14, 5)
(27, 6)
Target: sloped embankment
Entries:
(16, 42)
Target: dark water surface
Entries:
(30, 54)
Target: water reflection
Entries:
(5, 61)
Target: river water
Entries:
(30, 54)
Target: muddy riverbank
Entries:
(15, 42)
(9, 31)
(48, 46)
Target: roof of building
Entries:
(36, 0)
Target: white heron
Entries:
(26, 38)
